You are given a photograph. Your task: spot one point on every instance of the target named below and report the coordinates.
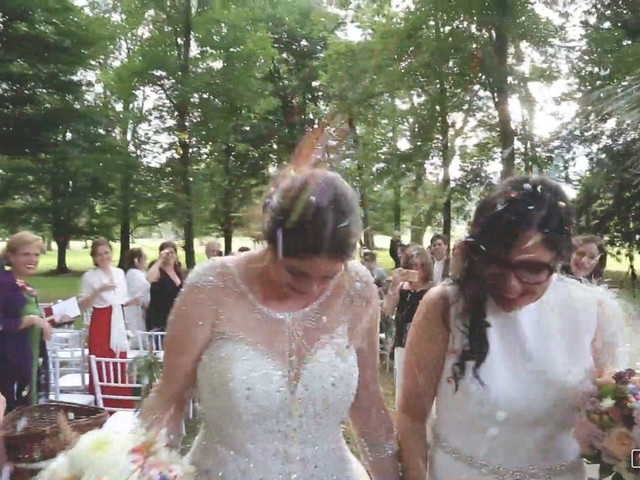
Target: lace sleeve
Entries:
(188, 334)
(375, 434)
(608, 343)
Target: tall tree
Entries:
(48, 132)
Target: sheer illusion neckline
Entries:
(284, 314)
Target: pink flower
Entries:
(619, 442)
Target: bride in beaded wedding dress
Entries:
(282, 346)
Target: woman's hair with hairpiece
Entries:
(311, 211)
(517, 206)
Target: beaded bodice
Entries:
(274, 388)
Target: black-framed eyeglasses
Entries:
(529, 272)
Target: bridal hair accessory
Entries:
(608, 425)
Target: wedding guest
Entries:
(23, 330)
(138, 287)
(438, 248)
(588, 260)
(104, 290)
(212, 249)
(508, 350)
(402, 249)
(394, 243)
(166, 277)
(408, 286)
(370, 261)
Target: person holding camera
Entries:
(166, 277)
(408, 286)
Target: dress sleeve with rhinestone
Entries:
(369, 416)
(190, 326)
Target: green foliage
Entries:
(608, 123)
(43, 47)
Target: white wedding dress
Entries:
(519, 425)
(275, 388)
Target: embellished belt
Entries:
(506, 473)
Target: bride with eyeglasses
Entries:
(507, 349)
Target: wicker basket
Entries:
(32, 434)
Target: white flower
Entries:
(607, 403)
(101, 453)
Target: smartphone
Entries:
(412, 275)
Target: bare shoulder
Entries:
(436, 304)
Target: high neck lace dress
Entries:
(273, 388)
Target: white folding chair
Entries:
(68, 387)
(108, 372)
(151, 341)
(68, 359)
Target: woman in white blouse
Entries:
(138, 287)
(105, 290)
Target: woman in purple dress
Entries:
(19, 322)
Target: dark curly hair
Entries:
(313, 212)
(515, 207)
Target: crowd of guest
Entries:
(124, 303)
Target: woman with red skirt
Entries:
(105, 289)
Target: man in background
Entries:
(212, 249)
(438, 247)
(394, 244)
(369, 259)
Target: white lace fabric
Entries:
(539, 364)
(274, 388)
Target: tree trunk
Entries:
(125, 220)
(397, 205)
(62, 241)
(49, 244)
(445, 153)
(507, 134)
(125, 238)
(227, 203)
(364, 200)
(227, 234)
(182, 108)
(417, 230)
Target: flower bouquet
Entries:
(105, 455)
(608, 426)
